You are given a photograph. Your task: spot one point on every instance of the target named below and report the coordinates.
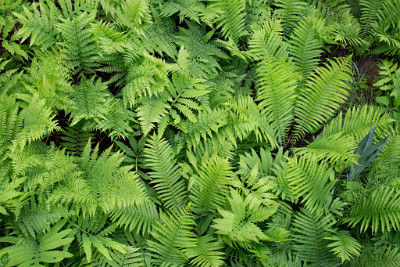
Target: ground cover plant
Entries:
(199, 133)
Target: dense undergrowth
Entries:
(199, 133)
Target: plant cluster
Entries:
(198, 133)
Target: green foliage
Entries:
(199, 133)
(28, 251)
(166, 174)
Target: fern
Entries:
(231, 17)
(166, 175)
(171, 234)
(306, 44)
(37, 123)
(357, 122)
(105, 184)
(338, 149)
(311, 181)
(344, 245)
(206, 252)
(378, 210)
(239, 223)
(140, 217)
(309, 233)
(209, 185)
(75, 139)
(46, 250)
(290, 11)
(81, 49)
(91, 101)
(203, 53)
(321, 96)
(38, 25)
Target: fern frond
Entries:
(325, 90)
(190, 9)
(165, 174)
(28, 251)
(310, 180)
(171, 236)
(306, 43)
(371, 257)
(184, 92)
(290, 12)
(10, 122)
(309, 232)
(209, 185)
(338, 149)
(91, 101)
(380, 209)
(147, 77)
(203, 52)
(74, 138)
(139, 218)
(208, 123)
(133, 14)
(206, 253)
(357, 122)
(119, 121)
(277, 82)
(38, 26)
(81, 49)
(267, 41)
(37, 122)
(104, 184)
(344, 245)
(231, 17)
(239, 223)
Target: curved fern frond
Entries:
(81, 49)
(139, 218)
(306, 43)
(105, 184)
(311, 181)
(165, 174)
(325, 90)
(28, 251)
(309, 233)
(206, 253)
(209, 186)
(338, 149)
(266, 41)
(357, 122)
(290, 11)
(344, 245)
(37, 122)
(38, 26)
(277, 82)
(231, 17)
(91, 101)
(172, 235)
(380, 210)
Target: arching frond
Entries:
(357, 122)
(231, 17)
(165, 174)
(325, 90)
(306, 43)
(338, 149)
(171, 235)
(380, 210)
(209, 185)
(311, 181)
(309, 233)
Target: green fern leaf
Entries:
(165, 174)
(325, 90)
